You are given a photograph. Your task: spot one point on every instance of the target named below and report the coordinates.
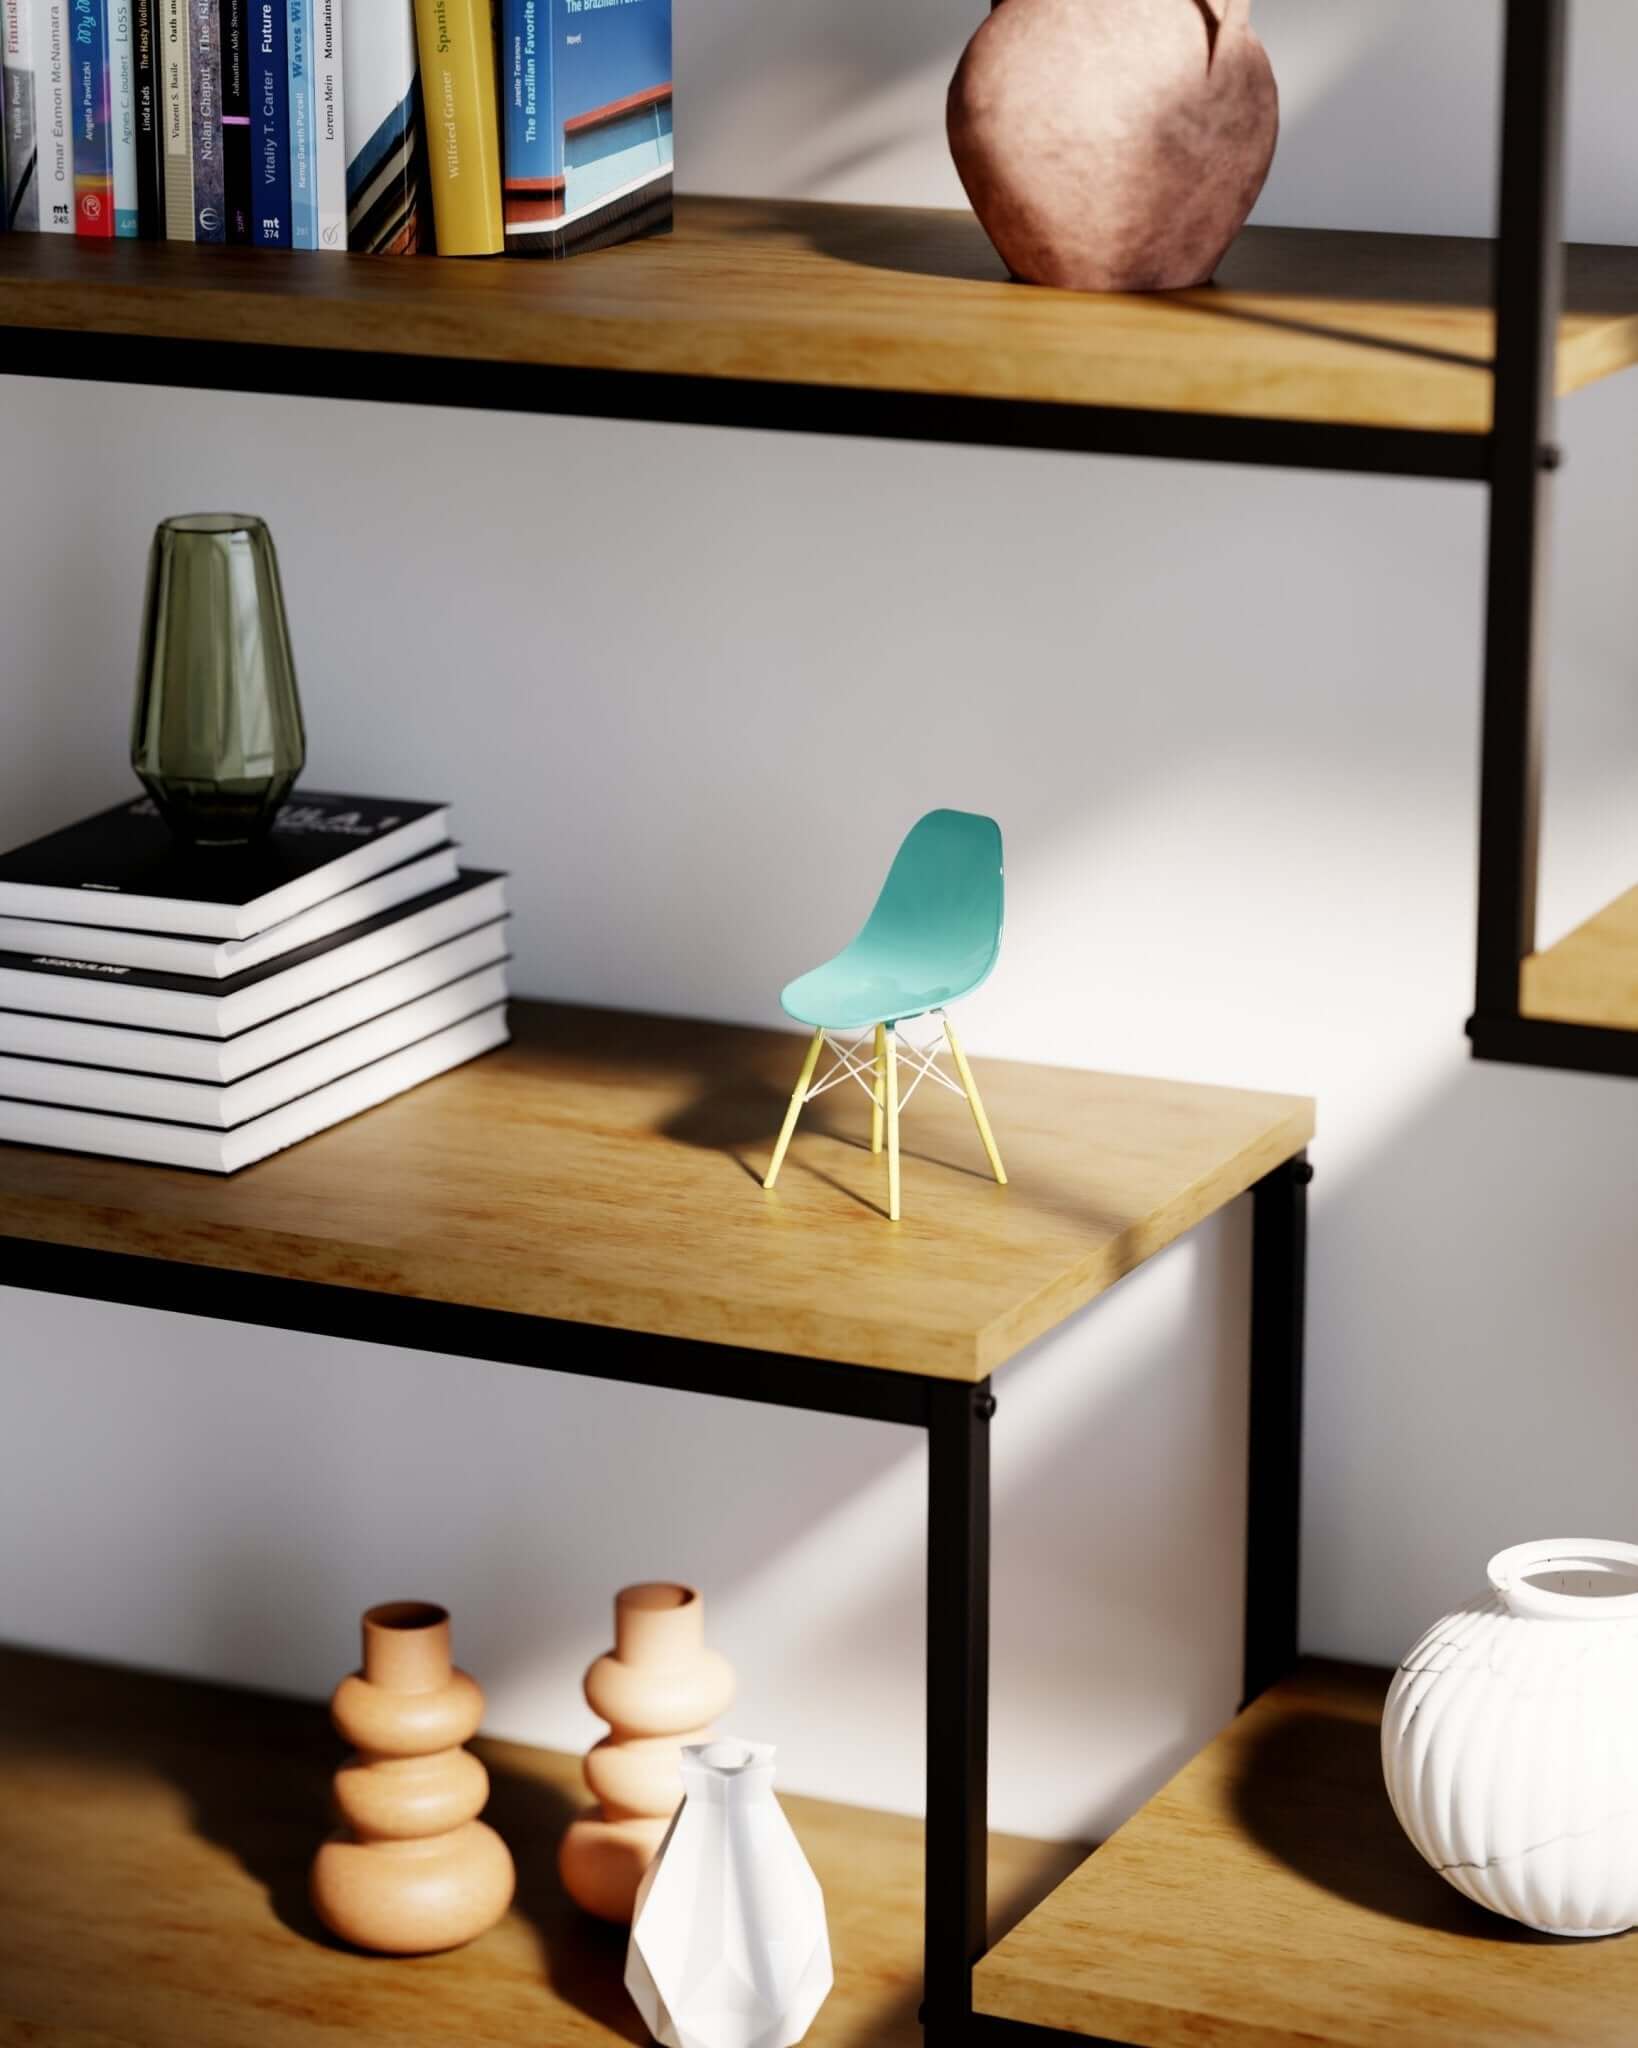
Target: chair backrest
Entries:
(942, 903)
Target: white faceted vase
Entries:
(1510, 1739)
(729, 1947)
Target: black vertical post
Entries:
(1529, 301)
(958, 1716)
(1279, 1267)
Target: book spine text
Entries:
(463, 143)
(122, 113)
(148, 120)
(21, 206)
(303, 152)
(93, 150)
(177, 112)
(270, 130)
(329, 126)
(53, 116)
(205, 117)
(232, 29)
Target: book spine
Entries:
(232, 33)
(386, 139)
(93, 148)
(21, 207)
(53, 116)
(122, 114)
(176, 108)
(532, 188)
(463, 142)
(270, 116)
(329, 126)
(205, 116)
(303, 153)
(149, 121)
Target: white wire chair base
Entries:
(921, 1059)
(878, 1075)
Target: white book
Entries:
(330, 126)
(63, 986)
(208, 1151)
(53, 116)
(22, 195)
(224, 1108)
(122, 113)
(222, 1061)
(217, 959)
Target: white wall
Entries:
(1230, 723)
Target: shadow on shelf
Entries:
(1311, 1794)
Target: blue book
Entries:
(586, 101)
(269, 126)
(304, 220)
(93, 138)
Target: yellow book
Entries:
(457, 45)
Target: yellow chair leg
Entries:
(975, 1103)
(798, 1097)
(876, 1091)
(891, 1062)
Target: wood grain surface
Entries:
(1590, 976)
(605, 1168)
(1267, 1899)
(1301, 324)
(154, 1843)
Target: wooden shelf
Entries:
(850, 318)
(1267, 1899)
(156, 1840)
(604, 1169)
(1590, 977)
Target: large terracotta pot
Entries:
(1114, 145)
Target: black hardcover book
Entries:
(236, 119)
(58, 985)
(124, 867)
(150, 123)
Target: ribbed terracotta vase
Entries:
(658, 1688)
(412, 1869)
(1510, 1740)
(1114, 145)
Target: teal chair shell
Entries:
(933, 936)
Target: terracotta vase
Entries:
(658, 1688)
(1114, 145)
(412, 1868)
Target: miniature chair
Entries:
(933, 937)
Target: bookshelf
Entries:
(587, 1200)
(1345, 350)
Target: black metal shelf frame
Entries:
(956, 1416)
(1524, 457)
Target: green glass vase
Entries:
(217, 736)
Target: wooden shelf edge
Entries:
(1591, 976)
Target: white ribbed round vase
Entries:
(1510, 1739)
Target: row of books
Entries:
(534, 126)
(204, 1007)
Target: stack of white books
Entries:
(205, 1007)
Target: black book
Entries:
(124, 867)
(236, 168)
(58, 985)
(150, 123)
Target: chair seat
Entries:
(859, 989)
